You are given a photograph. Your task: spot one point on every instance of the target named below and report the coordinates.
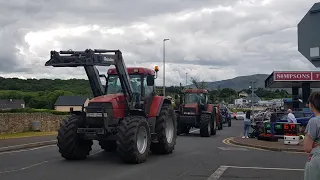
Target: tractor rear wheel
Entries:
(108, 146)
(205, 125)
(229, 123)
(133, 139)
(166, 129)
(70, 145)
(214, 126)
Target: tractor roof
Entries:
(134, 70)
(196, 91)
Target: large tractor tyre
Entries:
(166, 129)
(133, 139)
(70, 145)
(214, 126)
(108, 146)
(229, 123)
(205, 125)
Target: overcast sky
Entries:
(209, 39)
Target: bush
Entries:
(30, 110)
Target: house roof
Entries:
(255, 97)
(11, 103)
(70, 101)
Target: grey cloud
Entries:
(257, 43)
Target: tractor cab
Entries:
(141, 80)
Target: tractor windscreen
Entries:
(114, 85)
(195, 98)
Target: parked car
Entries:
(240, 115)
(302, 117)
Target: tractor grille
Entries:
(95, 111)
(189, 111)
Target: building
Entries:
(243, 94)
(7, 104)
(70, 103)
(240, 101)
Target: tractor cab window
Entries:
(196, 98)
(147, 89)
(114, 84)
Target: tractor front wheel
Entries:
(70, 145)
(133, 139)
(166, 129)
(229, 123)
(214, 126)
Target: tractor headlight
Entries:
(189, 113)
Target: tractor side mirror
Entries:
(150, 80)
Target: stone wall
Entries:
(21, 122)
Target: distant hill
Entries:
(239, 83)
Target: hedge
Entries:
(30, 110)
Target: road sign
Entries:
(309, 35)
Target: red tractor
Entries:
(125, 115)
(195, 111)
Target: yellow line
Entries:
(227, 142)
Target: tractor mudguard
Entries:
(210, 108)
(156, 105)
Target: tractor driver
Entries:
(136, 89)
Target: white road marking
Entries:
(264, 168)
(37, 164)
(24, 168)
(194, 130)
(218, 173)
(25, 150)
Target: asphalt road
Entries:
(194, 158)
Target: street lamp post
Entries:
(186, 79)
(164, 66)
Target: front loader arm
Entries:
(91, 58)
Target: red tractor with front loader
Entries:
(196, 112)
(125, 115)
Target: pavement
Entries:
(195, 158)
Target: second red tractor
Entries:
(196, 112)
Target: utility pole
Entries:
(164, 66)
(252, 97)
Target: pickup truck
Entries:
(302, 117)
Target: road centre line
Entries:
(38, 164)
(218, 173)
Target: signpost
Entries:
(309, 35)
